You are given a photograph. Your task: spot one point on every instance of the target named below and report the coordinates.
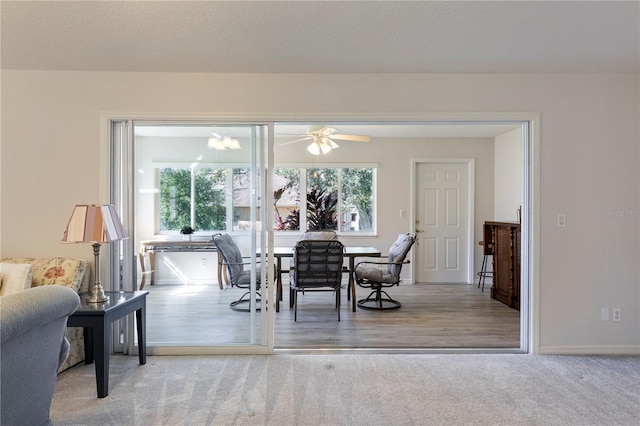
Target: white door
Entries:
(442, 222)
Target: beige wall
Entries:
(508, 176)
(588, 162)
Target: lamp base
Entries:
(96, 299)
(97, 296)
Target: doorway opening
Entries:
(389, 155)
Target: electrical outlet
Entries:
(561, 220)
(203, 262)
(617, 314)
(604, 314)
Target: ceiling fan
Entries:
(323, 139)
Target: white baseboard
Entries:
(590, 350)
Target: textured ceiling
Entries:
(322, 36)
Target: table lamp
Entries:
(95, 224)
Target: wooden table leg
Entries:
(142, 268)
(88, 344)
(142, 343)
(101, 352)
(220, 268)
(152, 265)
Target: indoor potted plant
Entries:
(187, 231)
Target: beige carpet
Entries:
(354, 389)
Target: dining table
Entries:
(350, 252)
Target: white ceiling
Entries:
(322, 36)
(325, 37)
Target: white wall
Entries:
(392, 156)
(508, 175)
(588, 164)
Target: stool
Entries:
(483, 269)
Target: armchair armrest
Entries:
(32, 308)
(372, 262)
(222, 262)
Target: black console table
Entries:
(96, 319)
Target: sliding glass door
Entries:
(191, 182)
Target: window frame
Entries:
(302, 167)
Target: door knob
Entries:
(419, 230)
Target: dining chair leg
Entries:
(295, 305)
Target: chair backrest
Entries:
(318, 263)
(319, 235)
(398, 251)
(230, 254)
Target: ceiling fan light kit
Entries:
(321, 145)
(323, 139)
(222, 142)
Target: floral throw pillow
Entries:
(59, 270)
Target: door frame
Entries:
(470, 162)
(531, 218)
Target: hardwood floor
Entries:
(432, 316)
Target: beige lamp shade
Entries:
(94, 223)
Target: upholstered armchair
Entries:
(233, 263)
(33, 347)
(377, 275)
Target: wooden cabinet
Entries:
(504, 242)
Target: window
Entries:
(192, 197)
(286, 199)
(241, 189)
(356, 202)
(333, 198)
(340, 199)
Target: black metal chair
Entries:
(317, 266)
(231, 261)
(377, 277)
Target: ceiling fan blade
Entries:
(306, 138)
(355, 138)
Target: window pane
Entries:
(357, 200)
(242, 198)
(322, 199)
(286, 197)
(175, 198)
(210, 206)
(208, 199)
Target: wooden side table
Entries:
(96, 319)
